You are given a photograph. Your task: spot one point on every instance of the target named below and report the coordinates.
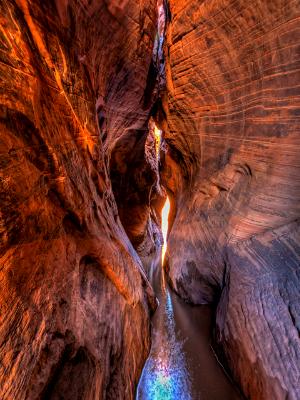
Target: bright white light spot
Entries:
(157, 134)
(164, 226)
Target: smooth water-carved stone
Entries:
(232, 170)
(74, 301)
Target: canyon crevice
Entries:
(82, 185)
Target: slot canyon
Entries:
(149, 199)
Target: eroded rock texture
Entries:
(134, 170)
(232, 125)
(74, 317)
(135, 162)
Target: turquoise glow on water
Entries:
(165, 376)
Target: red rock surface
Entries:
(79, 81)
(134, 171)
(74, 302)
(232, 126)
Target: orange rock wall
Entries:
(232, 110)
(74, 302)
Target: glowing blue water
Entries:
(181, 364)
(165, 375)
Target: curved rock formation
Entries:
(134, 171)
(135, 162)
(80, 81)
(74, 318)
(232, 126)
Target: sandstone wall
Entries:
(74, 302)
(232, 126)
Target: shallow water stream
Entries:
(181, 364)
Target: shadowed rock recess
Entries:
(82, 187)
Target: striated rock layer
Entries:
(231, 121)
(74, 302)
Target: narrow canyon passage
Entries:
(181, 364)
(108, 107)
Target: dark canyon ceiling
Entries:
(82, 83)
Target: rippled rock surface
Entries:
(231, 117)
(79, 82)
(74, 302)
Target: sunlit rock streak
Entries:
(165, 226)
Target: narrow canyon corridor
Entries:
(181, 364)
(149, 200)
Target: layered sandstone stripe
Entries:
(232, 124)
(74, 302)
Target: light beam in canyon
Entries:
(157, 135)
(165, 225)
